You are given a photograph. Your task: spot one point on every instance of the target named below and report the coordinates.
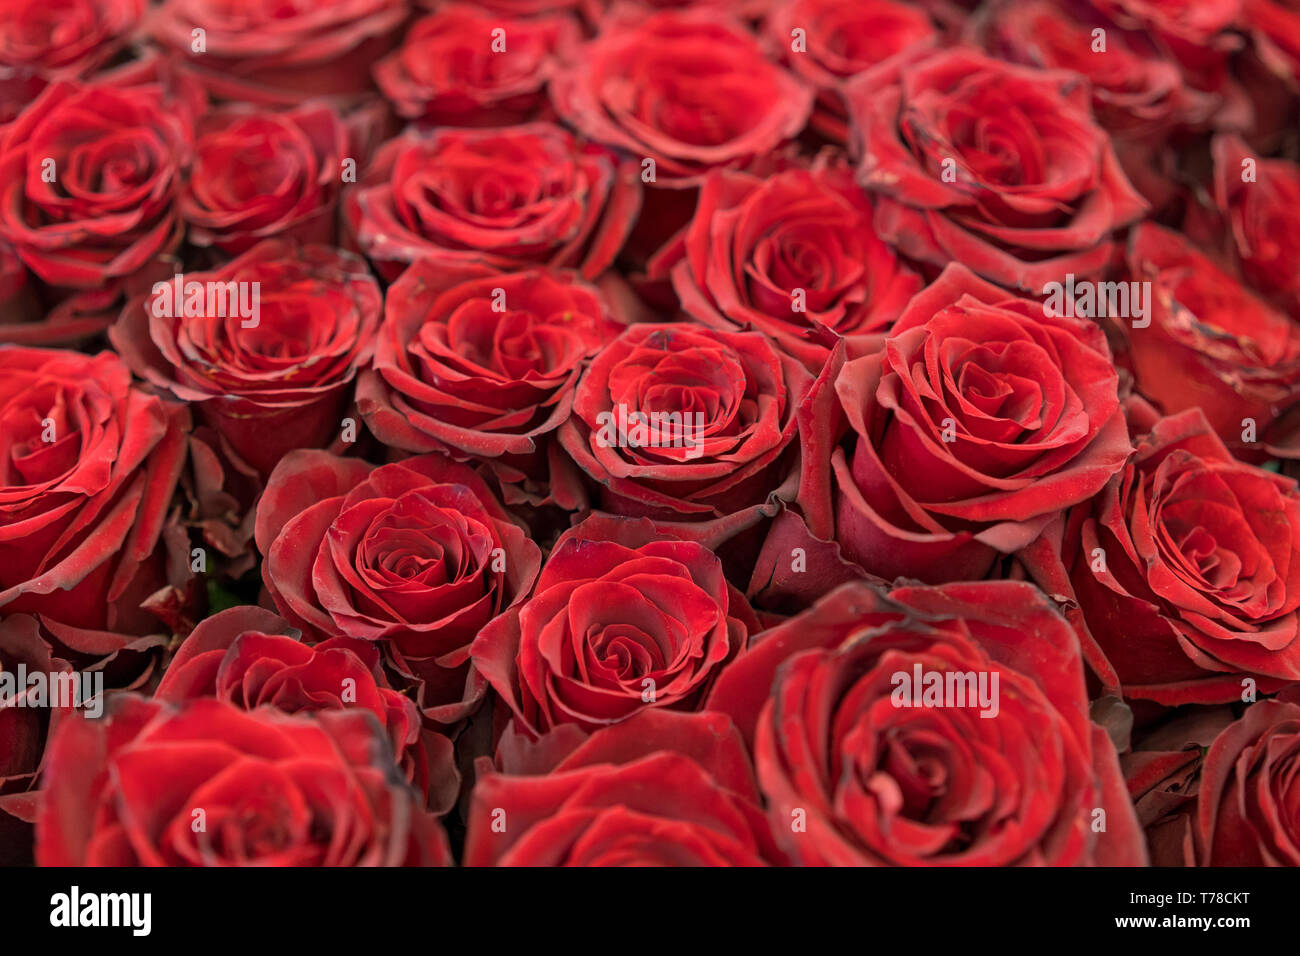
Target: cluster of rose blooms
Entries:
(366, 579)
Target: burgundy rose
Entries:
(623, 618)
(507, 198)
(659, 789)
(996, 166)
(455, 373)
(209, 784)
(417, 555)
(451, 71)
(270, 358)
(860, 766)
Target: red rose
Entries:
(262, 51)
(1185, 570)
(861, 768)
(622, 619)
(1211, 343)
(658, 789)
(85, 524)
(270, 377)
(689, 90)
(999, 167)
(258, 174)
(793, 255)
(1275, 26)
(979, 419)
(89, 177)
(208, 784)
(450, 70)
(507, 198)
(418, 555)
(454, 374)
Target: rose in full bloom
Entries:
(507, 198)
(89, 468)
(997, 166)
(271, 381)
(452, 373)
(979, 418)
(659, 789)
(88, 181)
(623, 618)
(793, 255)
(1212, 343)
(267, 52)
(449, 70)
(260, 173)
(690, 90)
(1185, 570)
(272, 789)
(727, 458)
(417, 555)
(859, 770)
(250, 657)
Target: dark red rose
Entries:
(996, 166)
(623, 618)
(857, 772)
(271, 381)
(267, 52)
(979, 419)
(454, 374)
(249, 657)
(726, 459)
(258, 174)
(1275, 26)
(90, 465)
(208, 784)
(1211, 343)
(449, 69)
(89, 177)
(1185, 570)
(690, 90)
(508, 198)
(753, 242)
(842, 39)
(658, 789)
(417, 555)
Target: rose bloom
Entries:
(89, 177)
(658, 789)
(262, 51)
(90, 465)
(448, 72)
(416, 555)
(271, 789)
(753, 241)
(1185, 570)
(857, 773)
(258, 174)
(622, 618)
(268, 387)
(454, 374)
(250, 657)
(999, 167)
(1212, 343)
(690, 90)
(979, 418)
(508, 198)
(842, 39)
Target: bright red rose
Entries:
(857, 771)
(623, 618)
(417, 555)
(270, 789)
(659, 789)
(996, 166)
